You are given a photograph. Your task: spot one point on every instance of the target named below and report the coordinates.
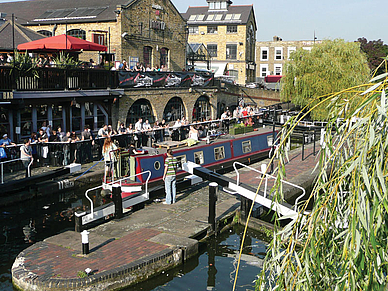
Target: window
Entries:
(263, 70)
(246, 146)
(236, 16)
(164, 57)
(219, 153)
(231, 51)
(231, 29)
(198, 158)
(210, 17)
(278, 69)
(157, 165)
(147, 56)
(223, 5)
(212, 50)
(212, 29)
(278, 53)
(181, 160)
(174, 109)
(192, 17)
(200, 17)
(228, 16)
(99, 38)
(45, 32)
(218, 17)
(211, 5)
(290, 50)
(234, 74)
(217, 5)
(264, 54)
(77, 33)
(193, 29)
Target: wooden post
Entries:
(213, 186)
(117, 200)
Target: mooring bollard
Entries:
(213, 186)
(117, 200)
(85, 242)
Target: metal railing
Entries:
(266, 176)
(14, 160)
(119, 182)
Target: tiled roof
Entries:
(61, 11)
(236, 14)
(22, 35)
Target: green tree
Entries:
(341, 244)
(330, 66)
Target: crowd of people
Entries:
(140, 67)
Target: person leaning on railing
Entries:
(26, 154)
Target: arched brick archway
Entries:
(141, 108)
(202, 109)
(174, 109)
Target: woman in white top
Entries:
(193, 133)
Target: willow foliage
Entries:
(341, 244)
(330, 66)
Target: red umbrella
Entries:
(61, 42)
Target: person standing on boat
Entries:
(169, 177)
(138, 132)
(26, 154)
(109, 156)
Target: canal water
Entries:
(213, 269)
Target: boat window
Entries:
(219, 153)
(246, 146)
(157, 165)
(269, 140)
(198, 158)
(181, 160)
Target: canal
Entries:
(212, 269)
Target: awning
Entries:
(272, 78)
(61, 43)
(216, 68)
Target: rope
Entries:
(88, 169)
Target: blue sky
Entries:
(297, 20)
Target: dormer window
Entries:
(218, 5)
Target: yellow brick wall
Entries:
(222, 38)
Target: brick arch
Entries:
(172, 102)
(134, 112)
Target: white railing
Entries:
(266, 176)
(119, 182)
(14, 160)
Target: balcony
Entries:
(51, 79)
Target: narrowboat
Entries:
(132, 172)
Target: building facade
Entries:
(151, 32)
(229, 34)
(271, 55)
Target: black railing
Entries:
(51, 78)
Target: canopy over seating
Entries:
(61, 42)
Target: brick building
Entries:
(152, 32)
(271, 55)
(229, 33)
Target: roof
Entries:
(22, 35)
(35, 12)
(235, 14)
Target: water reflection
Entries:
(23, 224)
(215, 266)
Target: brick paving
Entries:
(52, 261)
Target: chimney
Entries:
(2, 17)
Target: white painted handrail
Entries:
(116, 182)
(2, 168)
(266, 176)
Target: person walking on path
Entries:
(26, 155)
(169, 177)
